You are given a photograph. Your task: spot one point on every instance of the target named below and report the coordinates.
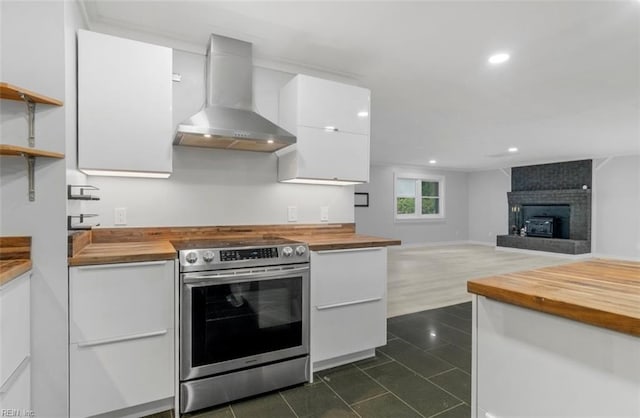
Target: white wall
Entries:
(488, 206)
(378, 218)
(616, 207)
(34, 48)
(218, 187)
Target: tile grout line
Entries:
(340, 397)
(233, 414)
(447, 410)
(428, 378)
(395, 395)
(375, 365)
(288, 404)
(373, 397)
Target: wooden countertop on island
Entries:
(604, 293)
(124, 245)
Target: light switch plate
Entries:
(292, 213)
(324, 213)
(120, 216)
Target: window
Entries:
(419, 197)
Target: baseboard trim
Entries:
(546, 253)
(431, 244)
(485, 243)
(616, 257)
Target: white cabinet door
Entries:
(324, 103)
(348, 302)
(15, 339)
(332, 155)
(331, 124)
(124, 105)
(121, 334)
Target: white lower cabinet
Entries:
(121, 352)
(348, 305)
(15, 340)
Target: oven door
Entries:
(234, 319)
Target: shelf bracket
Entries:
(80, 226)
(31, 118)
(31, 165)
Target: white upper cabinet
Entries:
(331, 122)
(124, 106)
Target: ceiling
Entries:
(570, 91)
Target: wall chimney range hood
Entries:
(228, 120)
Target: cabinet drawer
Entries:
(109, 377)
(344, 276)
(332, 155)
(348, 329)
(119, 300)
(14, 325)
(328, 103)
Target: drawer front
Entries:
(109, 377)
(348, 329)
(14, 325)
(344, 276)
(119, 300)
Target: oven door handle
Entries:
(261, 274)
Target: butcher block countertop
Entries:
(15, 258)
(124, 252)
(604, 293)
(11, 269)
(123, 245)
(321, 242)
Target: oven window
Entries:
(231, 321)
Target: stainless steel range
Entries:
(244, 319)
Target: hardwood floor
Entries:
(429, 277)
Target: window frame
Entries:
(418, 179)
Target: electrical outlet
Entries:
(120, 216)
(324, 213)
(292, 213)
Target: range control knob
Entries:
(208, 256)
(191, 257)
(287, 251)
(300, 250)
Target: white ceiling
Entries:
(571, 89)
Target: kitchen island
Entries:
(558, 341)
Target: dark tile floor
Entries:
(423, 371)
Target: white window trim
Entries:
(416, 216)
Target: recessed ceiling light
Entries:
(432, 161)
(513, 149)
(499, 58)
(363, 114)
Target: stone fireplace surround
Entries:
(565, 182)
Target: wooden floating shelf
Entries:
(16, 151)
(30, 154)
(11, 92)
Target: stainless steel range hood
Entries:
(228, 119)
